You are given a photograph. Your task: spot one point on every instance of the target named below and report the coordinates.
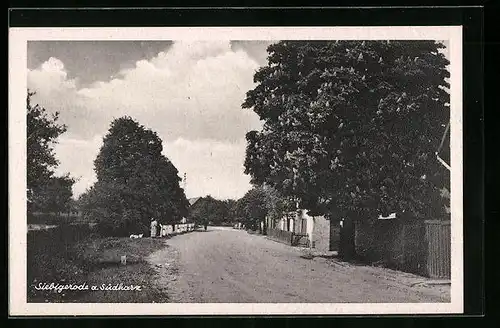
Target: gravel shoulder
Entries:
(165, 263)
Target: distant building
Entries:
(194, 200)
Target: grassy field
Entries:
(96, 261)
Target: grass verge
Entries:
(96, 262)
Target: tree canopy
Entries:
(135, 181)
(351, 126)
(208, 210)
(45, 191)
(260, 202)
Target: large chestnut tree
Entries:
(352, 127)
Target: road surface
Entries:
(232, 266)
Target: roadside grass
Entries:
(97, 261)
(102, 258)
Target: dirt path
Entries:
(232, 266)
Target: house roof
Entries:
(193, 200)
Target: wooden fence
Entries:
(288, 237)
(438, 239)
(280, 235)
(409, 245)
(172, 229)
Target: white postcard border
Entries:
(18, 38)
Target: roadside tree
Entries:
(46, 192)
(135, 182)
(351, 127)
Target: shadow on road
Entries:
(201, 230)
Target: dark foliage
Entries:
(135, 182)
(352, 126)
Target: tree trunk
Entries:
(347, 249)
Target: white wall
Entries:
(310, 225)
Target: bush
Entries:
(114, 224)
(50, 257)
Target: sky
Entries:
(190, 93)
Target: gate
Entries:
(438, 238)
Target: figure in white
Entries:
(154, 225)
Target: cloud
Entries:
(77, 156)
(194, 90)
(92, 61)
(190, 95)
(213, 167)
(51, 79)
(255, 49)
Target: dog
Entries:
(136, 236)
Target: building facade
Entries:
(305, 230)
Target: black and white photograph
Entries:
(236, 171)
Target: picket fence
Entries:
(171, 229)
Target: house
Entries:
(191, 202)
(297, 228)
(322, 233)
(194, 200)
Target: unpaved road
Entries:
(231, 266)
